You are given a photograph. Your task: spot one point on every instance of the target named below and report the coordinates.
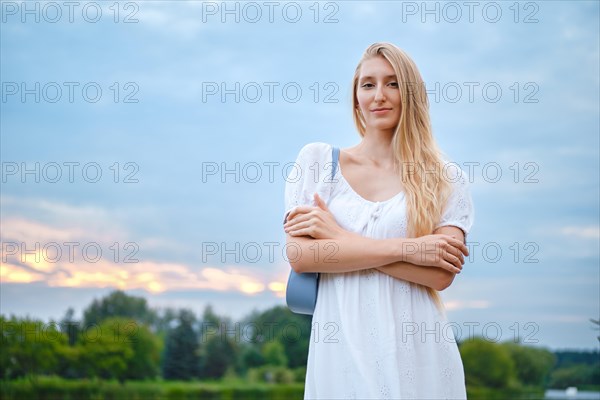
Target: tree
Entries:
(532, 365)
(576, 368)
(274, 354)
(166, 317)
(575, 375)
(291, 330)
(70, 326)
(105, 351)
(217, 355)
(146, 350)
(29, 347)
(487, 364)
(180, 357)
(251, 356)
(118, 304)
(596, 322)
(218, 351)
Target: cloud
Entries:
(84, 247)
(51, 220)
(581, 232)
(16, 274)
(461, 305)
(183, 20)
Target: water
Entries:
(554, 394)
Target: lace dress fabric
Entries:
(374, 336)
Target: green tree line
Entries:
(120, 337)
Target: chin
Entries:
(384, 125)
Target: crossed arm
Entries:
(316, 243)
(433, 277)
(355, 253)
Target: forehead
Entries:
(376, 67)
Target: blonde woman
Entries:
(386, 235)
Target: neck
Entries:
(376, 146)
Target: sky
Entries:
(145, 147)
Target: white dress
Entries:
(374, 336)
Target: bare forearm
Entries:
(433, 277)
(409, 259)
(351, 253)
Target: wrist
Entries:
(392, 249)
(405, 249)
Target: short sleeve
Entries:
(459, 209)
(309, 174)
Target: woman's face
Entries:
(378, 89)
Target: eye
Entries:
(394, 83)
(367, 85)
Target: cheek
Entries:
(394, 96)
(362, 99)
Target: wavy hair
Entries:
(417, 158)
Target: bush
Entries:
(532, 364)
(46, 388)
(487, 364)
(271, 374)
(483, 393)
(575, 375)
(299, 374)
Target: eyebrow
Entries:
(370, 77)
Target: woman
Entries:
(390, 235)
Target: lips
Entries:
(380, 110)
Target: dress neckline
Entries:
(343, 178)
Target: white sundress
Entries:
(374, 336)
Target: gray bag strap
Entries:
(335, 154)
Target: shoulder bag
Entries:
(302, 288)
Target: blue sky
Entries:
(156, 131)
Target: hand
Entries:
(438, 250)
(316, 222)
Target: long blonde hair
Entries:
(418, 160)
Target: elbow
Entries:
(294, 259)
(293, 250)
(297, 266)
(445, 280)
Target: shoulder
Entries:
(458, 210)
(314, 152)
(315, 148)
(454, 174)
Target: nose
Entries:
(379, 96)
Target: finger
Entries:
(456, 243)
(302, 215)
(450, 251)
(459, 245)
(299, 218)
(295, 225)
(456, 253)
(295, 232)
(320, 202)
(451, 268)
(299, 210)
(451, 254)
(456, 261)
(310, 232)
(448, 257)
